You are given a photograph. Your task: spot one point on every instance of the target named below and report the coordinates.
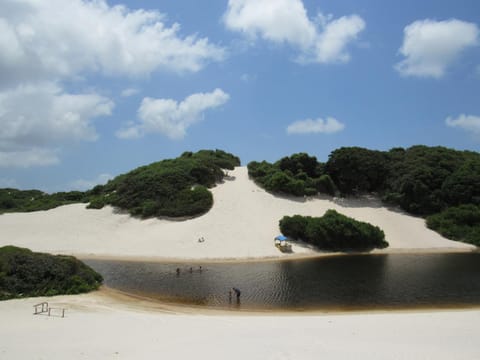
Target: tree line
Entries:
(433, 182)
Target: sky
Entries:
(93, 89)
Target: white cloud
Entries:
(24, 158)
(469, 123)
(45, 43)
(129, 92)
(35, 118)
(309, 126)
(430, 47)
(40, 39)
(331, 43)
(171, 118)
(83, 185)
(277, 21)
(286, 21)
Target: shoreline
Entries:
(292, 257)
(147, 304)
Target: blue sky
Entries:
(89, 90)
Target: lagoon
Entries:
(347, 282)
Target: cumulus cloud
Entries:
(469, 123)
(430, 46)
(309, 126)
(36, 118)
(331, 43)
(66, 37)
(172, 118)
(45, 43)
(83, 185)
(323, 40)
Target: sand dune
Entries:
(241, 224)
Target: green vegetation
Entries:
(13, 200)
(421, 180)
(334, 232)
(174, 187)
(24, 273)
(299, 174)
(460, 223)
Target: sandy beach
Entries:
(241, 225)
(99, 326)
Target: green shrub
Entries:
(298, 175)
(13, 200)
(24, 273)
(96, 203)
(334, 232)
(460, 223)
(173, 187)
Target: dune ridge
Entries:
(241, 225)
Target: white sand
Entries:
(99, 327)
(241, 224)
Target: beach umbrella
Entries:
(281, 237)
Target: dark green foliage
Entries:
(300, 163)
(421, 180)
(460, 223)
(333, 232)
(13, 200)
(425, 180)
(324, 184)
(173, 187)
(299, 174)
(24, 273)
(355, 169)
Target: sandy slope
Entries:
(241, 224)
(97, 327)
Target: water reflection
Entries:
(344, 282)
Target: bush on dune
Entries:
(421, 180)
(174, 187)
(24, 273)
(334, 232)
(460, 223)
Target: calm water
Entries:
(340, 283)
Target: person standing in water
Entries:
(237, 293)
